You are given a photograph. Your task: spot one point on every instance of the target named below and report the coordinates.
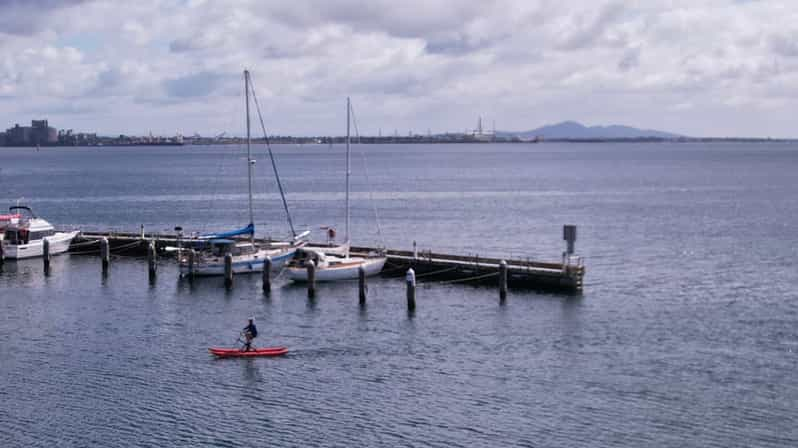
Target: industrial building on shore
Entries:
(38, 133)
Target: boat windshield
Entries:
(222, 247)
(25, 236)
(245, 249)
(10, 236)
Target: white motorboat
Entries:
(25, 234)
(248, 256)
(333, 262)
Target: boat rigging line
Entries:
(271, 157)
(368, 180)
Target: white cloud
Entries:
(712, 67)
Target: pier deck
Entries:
(565, 276)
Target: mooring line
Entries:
(478, 277)
(85, 243)
(426, 274)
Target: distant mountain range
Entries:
(578, 131)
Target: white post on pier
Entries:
(502, 280)
(152, 260)
(410, 280)
(105, 254)
(311, 267)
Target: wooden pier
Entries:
(429, 267)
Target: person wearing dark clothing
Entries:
(250, 332)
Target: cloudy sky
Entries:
(696, 67)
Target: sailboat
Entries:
(247, 255)
(334, 262)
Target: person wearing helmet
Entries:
(250, 332)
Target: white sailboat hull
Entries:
(345, 270)
(59, 243)
(340, 249)
(242, 264)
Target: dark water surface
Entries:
(686, 334)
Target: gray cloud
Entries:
(400, 19)
(459, 44)
(109, 79)
(26, 17)
(785, 45)
(411, 64)
(182, 45)
(195, 85)
(588, 30)
(629, 60)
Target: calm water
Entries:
(686, 334)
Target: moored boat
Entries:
(24, 236)
(247, 255)
(247, 258)
(333, 262)
(240, 353)
(331, 267)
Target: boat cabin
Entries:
(25, 231)
(23, 226)
(222, 247)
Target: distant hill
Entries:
(574, 130)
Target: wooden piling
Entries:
(2, 257)
(410, 280)
(502, 280)
(152, 260)
(267, 275)
(46, 255)
(361, 280)
(228, 271)
(105, 254)
(192, 261)
(311, 266)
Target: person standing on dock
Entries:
(250, 332)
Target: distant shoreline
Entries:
(422, 140)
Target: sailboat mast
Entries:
(249, 153)
(348, 108)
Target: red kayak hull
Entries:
(238, 353)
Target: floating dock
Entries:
(430, 267)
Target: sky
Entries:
(725, 68)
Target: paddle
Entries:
(243, 342)
(239, 341)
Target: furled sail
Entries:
(248, 230)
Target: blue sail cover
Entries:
(248, 230)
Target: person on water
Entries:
(250, 332)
